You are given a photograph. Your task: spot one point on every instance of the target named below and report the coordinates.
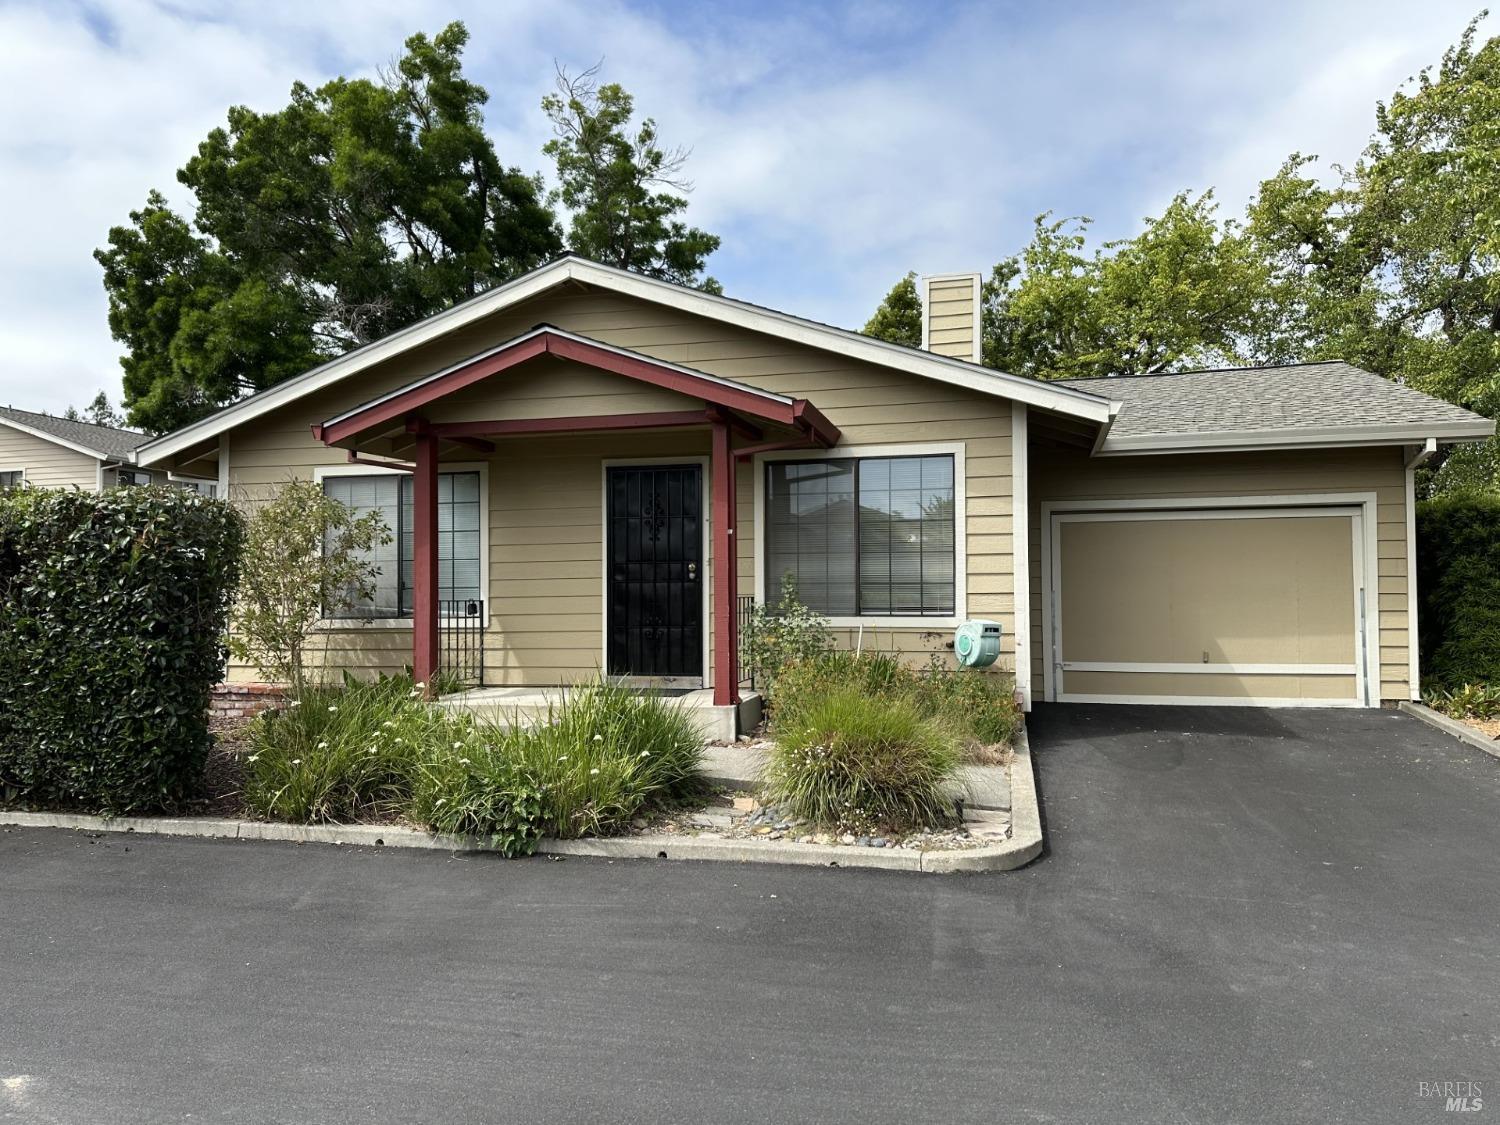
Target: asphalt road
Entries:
(1242, 916)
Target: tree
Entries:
(623, 188)
(1183, 293)
(359, 208)
(307, 556)
(898, 319)
(1394, 267)
(99, 412)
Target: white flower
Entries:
(296, 761)
(253, 758)
(564, 758)
(645, 753)
(295, 703)
(333, 706)
(593, 771)
(463, 761)
(421, 684)
(442, 800)
(458, 746)
(598, 738)
(322, 746)
(389, 723)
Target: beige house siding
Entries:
(546, 494)
(47, 464)
(1057, 474)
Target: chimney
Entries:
(950, 315)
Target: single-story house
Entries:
(43, 451)
(601, 467)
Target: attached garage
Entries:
(1255, 601)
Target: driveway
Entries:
(1243, 916)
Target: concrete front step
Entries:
(522, 706)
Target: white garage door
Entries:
(1251, 606)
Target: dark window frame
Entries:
(404, 610)
(949, 609)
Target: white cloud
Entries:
(834, 148)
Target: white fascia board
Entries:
(1064, 400)
(54, 439)
(1322, 437)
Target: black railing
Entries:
(747, 633)
(461, 623)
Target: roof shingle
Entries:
(110, 443)
(1299, 396)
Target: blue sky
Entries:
(834, 145)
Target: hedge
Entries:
(1458, 582)
(112, 617)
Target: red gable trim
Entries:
(549, 341)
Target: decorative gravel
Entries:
(739, 816)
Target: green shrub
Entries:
(1458, 581)
(982, 703)
(479, 790)
(372, 751)
(1469, 701)
(861, 762)
(979, 705)
(346, 754)
(112, 616)
(782, 633)
(307, 557)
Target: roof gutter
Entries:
(1099, 438)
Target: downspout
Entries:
(1417, 457)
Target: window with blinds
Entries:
(863, 537)
(459, 531)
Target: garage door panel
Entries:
(1185, 596)
(1210, 685)
(1238, 591)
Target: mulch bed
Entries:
(224, 772)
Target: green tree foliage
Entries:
(898, 320)
(1390, 263)
(1458, 574)
(624, 190)
(307, 556)
(99, 412)
(1182, 293)
(360, 207)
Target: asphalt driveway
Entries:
(1242, 916)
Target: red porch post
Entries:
(424, 645)
(726, 566)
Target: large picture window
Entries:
(863, 537)
(459, 531)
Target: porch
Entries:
(523, 706)
(610, 490)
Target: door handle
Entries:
(692, 570)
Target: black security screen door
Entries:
(655, 558)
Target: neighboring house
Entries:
(597, 465)
(43, 451)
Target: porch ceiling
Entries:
(689, 398)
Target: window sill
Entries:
(385, 624)
(934, 623)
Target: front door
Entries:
(654, 554)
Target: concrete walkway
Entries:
(737, 766)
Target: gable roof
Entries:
(107, 443)
(1289, 405)
(544, 339)
(1085, 404)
